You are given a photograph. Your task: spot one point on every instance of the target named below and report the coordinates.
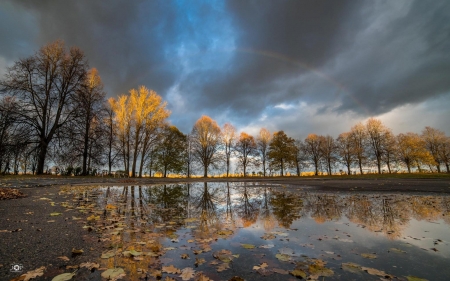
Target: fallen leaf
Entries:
(283, 257)
(90, 265)
(373, 271)
(369, 256)
(267, 246)
(63, 277)
(415, 278)
(108, 255)
(248, 246)
(320, 270)
(33, 273)
(202, 277)
(397, 250)
(298, 273)
(64, 258)
(187, 273)
(113, 273)
(268, 236)
(263, 265)
(199, 261)
(352, 267)
(77, 252)
(55, 214)
(184, 256)
(280, 271)
(223, 266)
(171, 269)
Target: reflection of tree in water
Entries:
(360, 210)
(168, 202)
(206, 211)
(266, 213)
(248, 208)
(426, 207)
(324, 207)
(445, 207)
(287, 207)
(394, 216)
(388, 215)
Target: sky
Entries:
(298, 66)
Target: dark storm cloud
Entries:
(273, 41)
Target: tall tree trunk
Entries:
(282, 172)
(448, 168)
(41, 157)
(348, 169)
(298, 168)
(438, 167)
(205, 171)
(378, 165)
(85, 148)
(264, 167)
(360, 167)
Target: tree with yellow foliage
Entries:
(206, 141)
(411, 150)
(138, 117)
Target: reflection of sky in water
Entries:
(337, 227)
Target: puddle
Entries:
(221, 230)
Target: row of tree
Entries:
(53, 111)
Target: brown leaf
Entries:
(64, 258)
(171, 269)
(33, 273)
(223, 266)
(185, 256)
(201, 277)
(187, 273)
(280, 271)
(90, 265)
(199, 261)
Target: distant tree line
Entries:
(53, 111)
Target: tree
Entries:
(45, 86)
(281, 150)
(170, 150)
(444, 153)
(376, 133)
(229, 139)
(139, 118)
(328, 149)
(434, 139)
(313, 150)
(345, 150)
(300, 156)
(359, 140)
(389, 149)
(246, 151)
(206, 142)
(411, 149)
(89, 100)
(111, 135)
(263, 141)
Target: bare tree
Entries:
(313, 151)
(376, 133)
(263, 141)
(229, 140)
(45, 85)
(328, 150)
(359, 140)
(246, 151)
(206, 142)
(389, 150)
(89, 100)
(345, 150)
(300, 156)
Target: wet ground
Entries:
(190, 231)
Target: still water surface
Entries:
(257, 231)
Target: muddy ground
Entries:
(30, 236)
